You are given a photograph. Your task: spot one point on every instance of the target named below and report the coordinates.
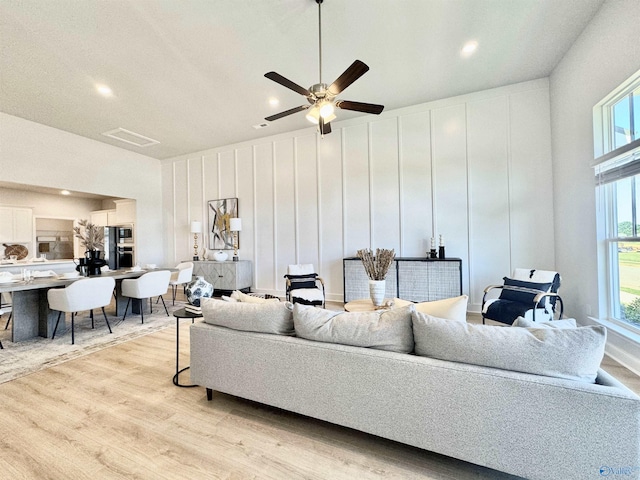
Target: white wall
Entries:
(475, 168)
(31, 153)
(606, 54)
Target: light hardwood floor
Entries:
(116, 414)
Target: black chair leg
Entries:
(1, 347)
(73, 337)
(56, 327)
(142, 309)
(126, 308)
(91, 314)
(174, 290)
(165, 306)
(8, 320)
(106, 320)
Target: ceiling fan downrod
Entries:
(319, 2)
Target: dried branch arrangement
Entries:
(376, 267)
(92, 238)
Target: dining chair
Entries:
(5, 307)
(81, 295)
(151, 284)
(181, 277)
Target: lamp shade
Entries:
(235, 224)
(196, 227)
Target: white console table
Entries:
(413, 279)
(225, 276)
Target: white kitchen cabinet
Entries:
(104, 218)
(16, 225)
(125, 211)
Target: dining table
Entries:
(30, 306)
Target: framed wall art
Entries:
(220, 212)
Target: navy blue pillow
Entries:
(302, 281)
(521, 291)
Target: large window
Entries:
(617, 135)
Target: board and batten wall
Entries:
(474, 168)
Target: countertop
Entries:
(46, 265)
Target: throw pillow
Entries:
(243, 297)
(573, 354)
(269, 317)
(302, 281)
(451, 308)
(521, 291)
(383, 329)
(526, 323)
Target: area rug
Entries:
(22, 358)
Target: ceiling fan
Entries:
(322, 98)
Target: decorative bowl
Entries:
(220, 256)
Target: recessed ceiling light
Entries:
(65, 192)
(274, 102)
(469, 48)
(104, 90)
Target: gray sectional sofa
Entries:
(533, 426)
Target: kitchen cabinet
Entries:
(16, 225)
(125, 211)
(104, 218)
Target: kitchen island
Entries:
(58, 266)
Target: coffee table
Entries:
(366, 305)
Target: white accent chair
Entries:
(181, 277)
(151, 284)
(81, 295)
(302, 285)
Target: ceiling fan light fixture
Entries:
(314, 115)
(326, 110)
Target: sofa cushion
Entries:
(573, 354)
(383, 329)
(302, 281)
(527, 323)
(269, 317)
(451, 308)
(521, 291)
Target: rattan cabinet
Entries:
(413, 279)
(225, 276)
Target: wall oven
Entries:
(125, 234)
(126, 256)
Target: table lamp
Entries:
(196, 228)
(235, 225)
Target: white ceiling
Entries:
(189, 73)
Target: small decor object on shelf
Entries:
(441, 248)
(432, 252)
(196, 289)
(235, 225)
(196, 228)
(377, 268)
(220, 256)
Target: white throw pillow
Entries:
(270, 317)
(450, 308)
(527, 323)
(382, 329)
(243, 297)
(569, 353)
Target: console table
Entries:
(225, 276)
(413, 279)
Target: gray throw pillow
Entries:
(269, 317)
(383, 329)
(526, 323)
(572, 353)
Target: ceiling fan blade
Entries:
(325, 128)
(286, 112)
(285, 82)
(360, 107)
(350, 75)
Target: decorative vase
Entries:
(220, 256)
(198, 288)
(377, 290)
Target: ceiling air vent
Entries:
(130, 137)
(260, 125)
